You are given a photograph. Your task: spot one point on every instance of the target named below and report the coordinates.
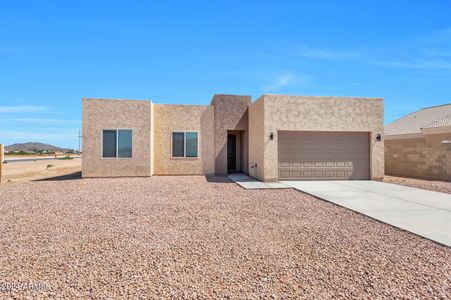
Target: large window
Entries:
(184, 144)
(117, 143)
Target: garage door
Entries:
(310, 155)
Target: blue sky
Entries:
(53, 53)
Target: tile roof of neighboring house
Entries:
(442, 122)
(430, 117)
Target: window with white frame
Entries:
(184, 144)
(117, 143)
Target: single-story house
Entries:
(276, 137)
(419, 144)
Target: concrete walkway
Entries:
(419, 211)
(250, 183)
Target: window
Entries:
(178, 144)
(109, 143)
(124, 144)
(117, 143)
(184, 144)
(191, 144)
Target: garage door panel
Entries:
(295, 173)
(329, 174)
(323, 155)
(308, 174)
(340, 164)
(340, 174)
(284, 174)
(317, 174)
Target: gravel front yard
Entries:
(189, 237)
(437, 186)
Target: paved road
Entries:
(419, 211)
(18, 159)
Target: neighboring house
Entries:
(419, 144)
(277, 137)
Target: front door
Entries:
(231, 152)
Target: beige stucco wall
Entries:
(168, 118)
(98, 114)
(309, 113)
(256, 139)
(152, 139)
(230, 113)
(424, 158)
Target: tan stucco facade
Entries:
(257, 139)
(99, 114)
(424, 157)
(169, 118)
(252, 124)
(309, 113)
(230, 114)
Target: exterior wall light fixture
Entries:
(379, 137)
(271, 136)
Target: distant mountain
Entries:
(33, 146)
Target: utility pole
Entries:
(79, 141)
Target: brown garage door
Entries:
(310, 155)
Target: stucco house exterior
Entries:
(419, 145)
(276, 137)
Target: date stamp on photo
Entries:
(24, 286)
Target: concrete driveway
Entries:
(422, 212)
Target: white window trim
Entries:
(184, 144)
(117, 143)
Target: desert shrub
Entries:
(65, 157)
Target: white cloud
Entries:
(281, 81)
(38, 121)
(430, 52)
(287, 79)
(427, 52)
(34, 136)
(439, 53)
(442, 36)
(22, 109)
(326, 54)
(416, 64)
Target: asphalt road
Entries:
(18, 159)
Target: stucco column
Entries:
(376, 156)
(230, 113)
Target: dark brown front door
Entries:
(231, 152)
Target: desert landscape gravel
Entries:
(436, 186)
(197, 237)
